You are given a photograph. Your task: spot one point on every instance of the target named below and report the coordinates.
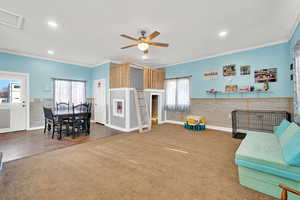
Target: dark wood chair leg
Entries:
(60, 132)
(89, 126)
(67, 127)
(45, 126)
(49, 127)
(53, 131)
(73, 132)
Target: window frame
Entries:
(70, 80)
(176, 91)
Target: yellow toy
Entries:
(195, 123)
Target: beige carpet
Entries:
(167, 163)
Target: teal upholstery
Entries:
(270, 170)
(265, 160)
(288, 134)
(291, 151)
(281, 128)
(263, 149)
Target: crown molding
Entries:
(102, 63)
(240, 50)
(294, 27)
(20, 53)
(223, 54)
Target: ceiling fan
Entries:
(144, 42)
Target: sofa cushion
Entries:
(263, 149)
(282, 127)
(291, 151)
(288, 134)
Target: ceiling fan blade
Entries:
(153, 35)
(132, 45)
(128, 37)
(158, 44)
(146, 51)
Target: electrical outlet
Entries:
(229, 115)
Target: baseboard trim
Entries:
(174, 122)
(122, 129)
(35, 128)
(116, 127)
(219, 128)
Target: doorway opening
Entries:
(155, 109)
(14, 99)
(100, 101)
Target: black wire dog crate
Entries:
(256, 120)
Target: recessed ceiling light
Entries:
(50, 52)
(223, 34)
(52, 24)
(144, 57)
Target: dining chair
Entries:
(53, 123)
(286, 190)
(80, 119)
(62, 106)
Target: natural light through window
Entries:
(177, 94)
(68, 91)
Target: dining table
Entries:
(65, 114)
(62, 114)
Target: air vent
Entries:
(10, 19)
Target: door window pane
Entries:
(10, 91)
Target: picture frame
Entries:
(245, 70)
(229, 70)
(211, 74)
(118, 107)
(265, 75)
(231, 88)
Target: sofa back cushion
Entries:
(282, 127)
(288, 134)
(291, 150)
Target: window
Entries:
(10, 91)
(68, 91)
(177, 94)
(297, 83)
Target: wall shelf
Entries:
(238, 92)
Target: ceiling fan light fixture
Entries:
(143, 46)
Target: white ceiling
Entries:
(89, 30)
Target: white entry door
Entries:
(13, 102)
(100, 101)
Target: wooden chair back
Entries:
(285, 190)
(63, 106)
(48, 114)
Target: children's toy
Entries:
(196, 123)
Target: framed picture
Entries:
(118, 107)
(265, 75)
(229, 70)
(211, 74)
(244, 88)
(245, 70)
(231, 88)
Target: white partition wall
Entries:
(123, 115)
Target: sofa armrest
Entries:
(274, 128)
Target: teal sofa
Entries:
(266, 160)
